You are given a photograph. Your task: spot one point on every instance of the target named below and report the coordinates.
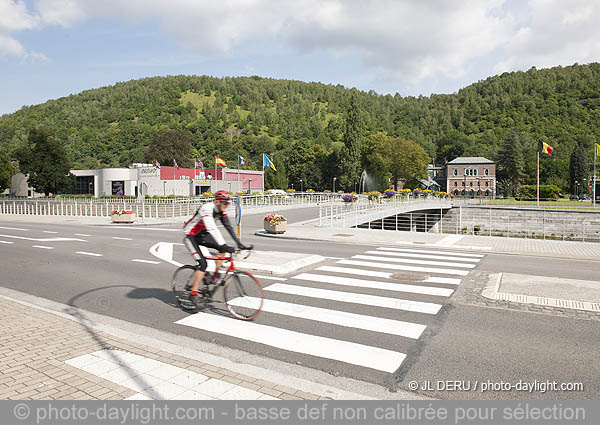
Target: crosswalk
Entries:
(359, 313)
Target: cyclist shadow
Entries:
(168, 298)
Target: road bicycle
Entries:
(242, 293)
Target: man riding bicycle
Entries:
(202, 230)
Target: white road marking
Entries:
(413, 261)
(82, 234)
(88, 253)
(43, 239)
(372, 273)
(43, 247)
(403, 267)
(351, 297)
(122, 239)
(259, 276)
(449, 240)
(424, 251)
(425, 256)
(341, 318)
(146, 261)
(328, 348)
(335, 258)
(13, 228)
(374, 284)
(49, 231)
(151, 228)
(6, 242)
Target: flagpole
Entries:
(594, 191)
(538, 178)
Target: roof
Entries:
(471, 160)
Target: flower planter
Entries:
(123, 218)
(280, 227)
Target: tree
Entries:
(408, 160)
(171, 145)
(45, 162)
(578, 170)
(376, 158)
(510, 163)
(7, 170)
(351, 159)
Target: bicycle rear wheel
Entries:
(243, 295)
(182, 278)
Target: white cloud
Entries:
(558, 33)
(14, 17)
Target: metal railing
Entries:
(357, 213)
(146, 207)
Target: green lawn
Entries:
(560, 203)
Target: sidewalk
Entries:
(53, 351)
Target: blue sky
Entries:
(53, 48)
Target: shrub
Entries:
(528, 192)
(349, 197)
(274, 219)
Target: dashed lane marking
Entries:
(6, 242)
(13, 228)
(49, 231)
(43, 239)
(146, 261)
(82, 234)
(88, 253)
(122, 239)
(43, 247)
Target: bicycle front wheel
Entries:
(243, 295)
(181, 283)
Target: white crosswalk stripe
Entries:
(348, 352)
(350, 319)
(413, 261)
(390, 286)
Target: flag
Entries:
(268, 163)
(175, 164)
(157, 164)
(597, 149)
(241, 160)
(219, 161)
(199, 163)
(545, 148)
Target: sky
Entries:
(54, 48)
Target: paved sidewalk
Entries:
(64, 355)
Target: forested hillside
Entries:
(307, 127)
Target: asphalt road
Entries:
(462, 343)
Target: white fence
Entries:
(152, 208)
(353, 214)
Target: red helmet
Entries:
(222, 195)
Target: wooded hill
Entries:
(302, 125)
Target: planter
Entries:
(280, 227)
(123, 218)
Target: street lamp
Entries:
(577, 188)
(91, 188)
(301, 186)
(334, 179)
(164, 188)
(249, 181)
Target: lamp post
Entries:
(301, 189)
(249, 181)
(479, 188)
(465, 186)
(91, 191)
(354, 187)
(164, 188)
(577, 189)
(334, 179)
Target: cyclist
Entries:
(202, 230)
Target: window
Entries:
(475, 171)
(84, 185)
(463, 183)
(471, 184)
(455, 184)
(487, 184)
(487, 172)
(456, 171)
